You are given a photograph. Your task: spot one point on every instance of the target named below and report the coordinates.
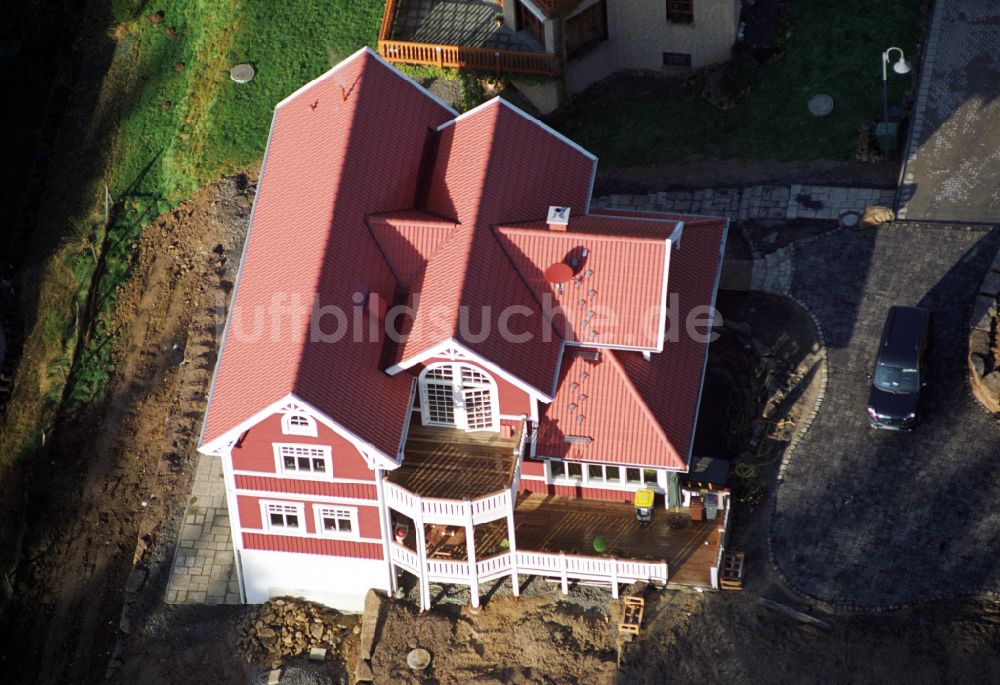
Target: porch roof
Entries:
(448, 463)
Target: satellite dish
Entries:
(242, 73)
(560, 272)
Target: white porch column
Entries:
(470, 546)
(422, 583)
(512, 545)
(565, 579)
(385, 523)
(614, 577)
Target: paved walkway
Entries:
(204, 569)
(952, 163)
(873, 519)
(758, 202)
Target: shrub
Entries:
(600, 544)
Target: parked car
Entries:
(900, 369)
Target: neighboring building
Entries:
(581, 41)
(453, 452)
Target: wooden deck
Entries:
(458, 34)
(452, 464)
(564, 524)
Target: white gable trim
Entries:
(236, 290)
(500, 102)
(371, 454)
(333, 72)
(662, 332)
(451, 346)
(711, 322)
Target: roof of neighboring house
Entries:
(636, 411)
(372, 187)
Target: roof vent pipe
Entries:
(558, 218)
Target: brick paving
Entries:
(203, 571)
(758, 202)
(873, 519)
(952, 164)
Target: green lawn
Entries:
(185, 122)
(834, 48)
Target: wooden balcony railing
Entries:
(458, 57)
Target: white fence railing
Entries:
(563, 566)
(446, 571)
(447, 511)
(493, 567)
(404, 557)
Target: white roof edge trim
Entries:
(548, 129)
(704, 361)
(239, 275)
(606, 346)
(347, 60)
(440, 348)
(366, 449)
(661, 335)
(499, 101)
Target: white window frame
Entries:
(308, 429)
(458, 390)
(585, 478)
(296, 508)
(325, 453)
(352, 516)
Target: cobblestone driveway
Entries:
(952, 167)
(876, 519)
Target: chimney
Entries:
(558, 219)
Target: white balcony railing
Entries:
(447, 511)
(563, 566)
(404, 557)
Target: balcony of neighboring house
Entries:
(459, 34)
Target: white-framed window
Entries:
(303, 461)
(601, 475)
(283, 517)
(337, 521)
(459, 396)
(294, 423)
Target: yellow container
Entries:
(644, 498)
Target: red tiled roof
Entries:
(639, 412)
(327, 222)
(493, 165)
(408, 239)
(616, 295)
(329, 164)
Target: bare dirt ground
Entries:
(132, 459)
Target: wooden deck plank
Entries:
(565, 524)
(453, 464)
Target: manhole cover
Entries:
(820, 105)
(849, 219)
(418, 659)
(242, 73)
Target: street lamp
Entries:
(900, 67)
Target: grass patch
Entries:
(184, 122)
(834, 48)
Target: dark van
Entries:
(900, 370)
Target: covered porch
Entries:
(458, 33)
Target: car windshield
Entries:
(896, 379)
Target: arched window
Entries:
(460, 396)
(298, 424)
